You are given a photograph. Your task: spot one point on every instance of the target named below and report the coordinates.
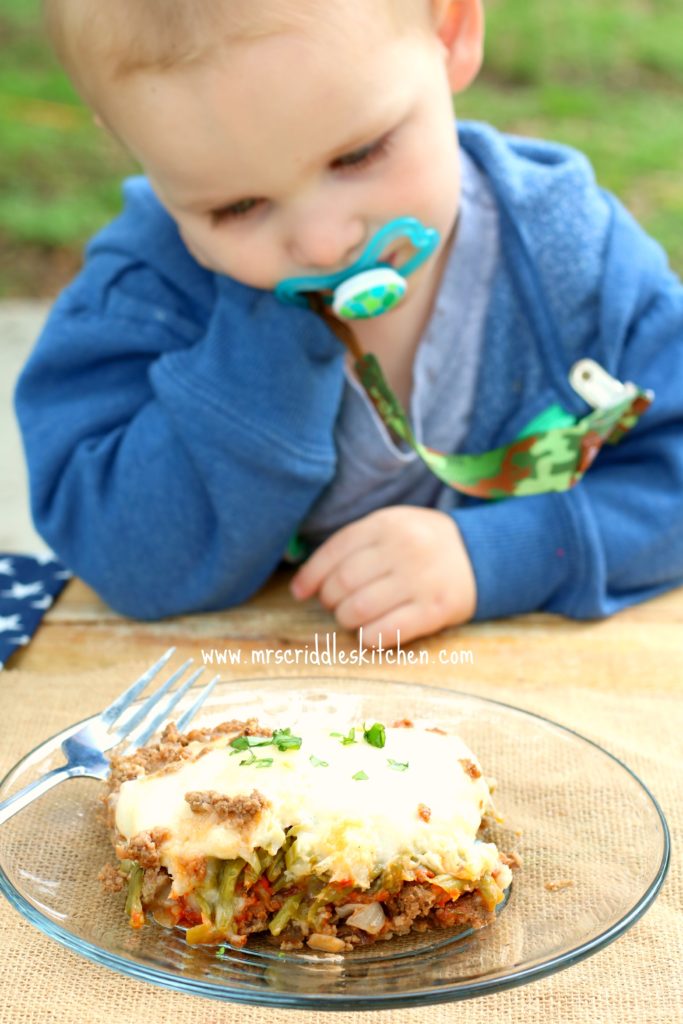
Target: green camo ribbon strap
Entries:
(535, 463)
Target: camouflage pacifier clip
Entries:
(552, 453)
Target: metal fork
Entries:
(85, 747)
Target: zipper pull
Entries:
(596, 386)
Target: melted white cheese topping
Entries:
(346, 827)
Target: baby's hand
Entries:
(401, 568)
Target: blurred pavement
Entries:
(20, 324)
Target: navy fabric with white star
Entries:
(28, 586)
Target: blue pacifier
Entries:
(368, 287)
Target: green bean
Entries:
(291, 854)
(253, 870)
(286, 911)
(133, 899)
(265, 858)
(226, 892)
(275, 869)
(282, 883)
(334, 894)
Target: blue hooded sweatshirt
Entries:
(178, 426)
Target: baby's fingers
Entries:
(326, 559)
(400, 625)
(370, 602)
(352, 574)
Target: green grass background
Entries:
(603, 75)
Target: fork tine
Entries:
(110, 714)
(166, 707)
(126, 728)
(188, 715)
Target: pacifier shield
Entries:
(368, 294)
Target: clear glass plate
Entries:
(574, 812)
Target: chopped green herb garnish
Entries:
(220, 951)
(375, 735)
(317, 763)
(360, 776)
(246, 742)
(399, 766)
(257, 762)
(283, 740)
(240, 743)
(348, 739)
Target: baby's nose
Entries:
(326, 242)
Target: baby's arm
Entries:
(169, 465)
(617, 537)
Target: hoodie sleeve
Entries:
(170, 462)
(617, 537)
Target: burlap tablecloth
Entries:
(638, 978)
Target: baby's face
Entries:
(286, 155)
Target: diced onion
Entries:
(349, 908)
(367, 916)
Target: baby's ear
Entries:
(461, 30)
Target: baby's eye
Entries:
(350, 161)
(364, 156)
(240, 209)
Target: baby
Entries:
(183, 423)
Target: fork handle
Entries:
(29, 793)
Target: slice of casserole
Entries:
(330, 838)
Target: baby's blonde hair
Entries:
(121, 37)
